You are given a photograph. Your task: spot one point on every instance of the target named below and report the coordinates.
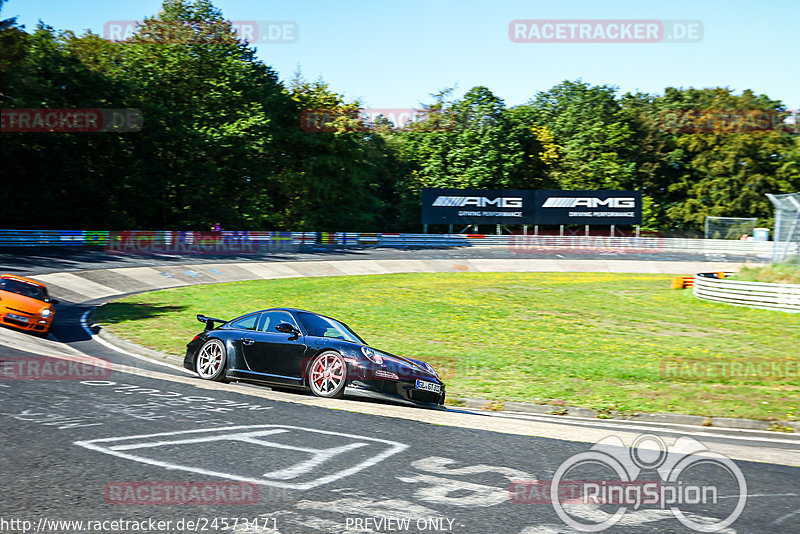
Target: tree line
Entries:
(223, 141)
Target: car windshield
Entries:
(319, 326)
(23, 288)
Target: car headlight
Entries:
(371, 355)
(46, 312)
(430, 368)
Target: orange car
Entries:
(25, 304)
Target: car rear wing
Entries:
(210, 321)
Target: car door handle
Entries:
(247, 341)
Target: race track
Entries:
(104, 436)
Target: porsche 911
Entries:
(286, 348)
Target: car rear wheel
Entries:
(210, 362)
(327, 375)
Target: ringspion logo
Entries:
(690, 482)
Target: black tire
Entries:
(211, 361)
(327, 375)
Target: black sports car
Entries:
(289, 348)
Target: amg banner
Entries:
(588, 207)
(477, 206)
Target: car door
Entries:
(245, 327)
(271, 352)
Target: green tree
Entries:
(594, 135)
(13, 44)
(472, 142)
(209, 151)
(333, 179)
(725, 171)
(59, 178)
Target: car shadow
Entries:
(70, 325)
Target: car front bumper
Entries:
(396, 391)
(34, 323)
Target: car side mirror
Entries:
(286, 328)
(53, 301)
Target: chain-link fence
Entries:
(729, 227)
(787, 228)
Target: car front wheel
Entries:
(211, 359)
(327, 375)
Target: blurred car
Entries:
(288, 348)
(25, 304)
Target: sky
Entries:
(395, 54)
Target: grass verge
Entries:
(611, 342)
(778, 273)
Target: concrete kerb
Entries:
(353, 267)
(587, 413)
(128, 346)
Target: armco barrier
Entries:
(783, 297)
(52, 238)
(230, 242)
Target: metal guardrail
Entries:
(172, 242)
(764, 295)
(51, 238)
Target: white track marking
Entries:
(105, 445)
(435, 464)
(785, 517)
(450, 492)
(106, 344)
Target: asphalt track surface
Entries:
(75, 447)
(41, 261)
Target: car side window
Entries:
(274, 318)
(246, 323)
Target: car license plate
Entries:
(20, 318)
(429, 386)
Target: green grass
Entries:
(776, 273)
(580, 339)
